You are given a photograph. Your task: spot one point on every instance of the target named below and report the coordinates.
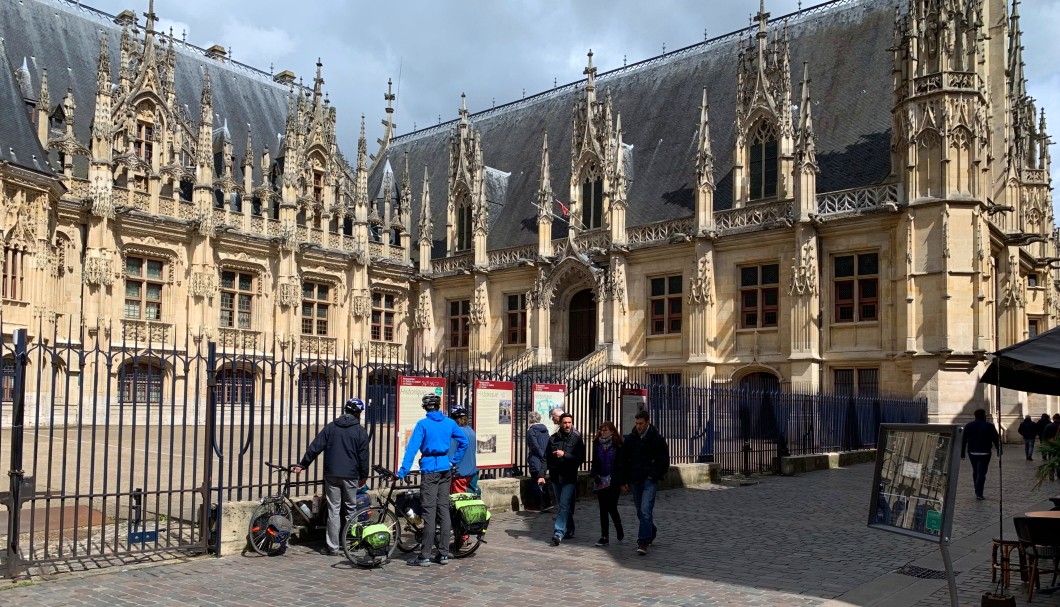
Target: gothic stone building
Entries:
(852, 198)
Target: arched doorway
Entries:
(582, 327)
(760, 381)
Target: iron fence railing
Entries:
(130, 443)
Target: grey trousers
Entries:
(434, 495)
(338, 491)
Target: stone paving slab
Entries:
(792, 541)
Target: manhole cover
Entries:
(923, 573)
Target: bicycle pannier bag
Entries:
(279, 529)
(474, 515)
(376, 538)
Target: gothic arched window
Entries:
(763, 160)
(592, 199)
(464, 221)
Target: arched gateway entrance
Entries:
(582, 325)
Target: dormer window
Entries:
(764, 159)
(143, 143)
(592, 200)
(464, 240)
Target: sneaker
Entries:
(642, 549)
(602, 542)
(568, 535)
(979, 497)
(556, 540)
(621, 536)
(418, 561)
(330, 552)
(442, 559)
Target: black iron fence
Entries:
(123, 448)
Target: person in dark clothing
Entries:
(1052, 428)
(979, 436)
(1042, 422)
(565, 453)
(644, 460)
(606, 482)
(344, 443)
(536, 443)
(1029, 431)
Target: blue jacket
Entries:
(431, 438)
(468, 465)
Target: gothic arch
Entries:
(750, 372)
(570, 274)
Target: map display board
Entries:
(547, 397)
(633, 401)
(493, 423)
(410, 391)
(916, 479)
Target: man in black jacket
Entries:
(565, 453)
(644, 460)
(979, 436)
(344, 443)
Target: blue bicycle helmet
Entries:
(354, 406)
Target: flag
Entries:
(563, 209)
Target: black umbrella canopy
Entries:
(1032, 365)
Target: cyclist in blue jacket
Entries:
(431, 439)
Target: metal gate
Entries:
(105, 455)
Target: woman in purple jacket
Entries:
(607, 488)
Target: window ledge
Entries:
(665, 335)
(860, 323)
(758, 329)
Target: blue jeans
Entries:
(980, 464)
(565, 494)
(1028, 447)
(644, 501)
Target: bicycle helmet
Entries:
(431, 402)
(458, 411)
(354, 406)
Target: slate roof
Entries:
(845, 43)
(18, 143)
(64, 39)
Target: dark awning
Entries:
(1032, 365)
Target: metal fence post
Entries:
(208, 454)
(16, 474)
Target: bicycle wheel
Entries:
(463, 544)
(258, 534)
(410, 536)
(354, 545)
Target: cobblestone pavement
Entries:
(789, 541)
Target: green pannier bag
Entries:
(474, 516)
(376, 538)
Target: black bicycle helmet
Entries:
(458, 411)
(432, 402)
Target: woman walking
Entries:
(536, 441)
(607, 488)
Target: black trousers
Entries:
(607, 499)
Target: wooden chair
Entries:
(1039, 539)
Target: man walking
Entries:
(565, 453)
(1029, 431)
(431, 438)
(344, 443)
(645, 458)
(979, 436)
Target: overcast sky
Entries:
(492, 50)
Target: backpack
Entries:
(473, 516)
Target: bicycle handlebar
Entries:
(278, 467)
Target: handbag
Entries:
(602, 483)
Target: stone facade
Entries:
(686, 246)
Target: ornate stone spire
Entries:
(1043, 142)
(404, 208)
(205, 144)
(25, 81)
(426, 227)
(544, 188)
(248, 152)
(360, 194)
(43, 98)
(103, 66)
(704, 155)
(805, 145)
(619, 180)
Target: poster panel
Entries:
(493, 423)
(547, 397)
(633, 401)
(915, 480)
(410, 391)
